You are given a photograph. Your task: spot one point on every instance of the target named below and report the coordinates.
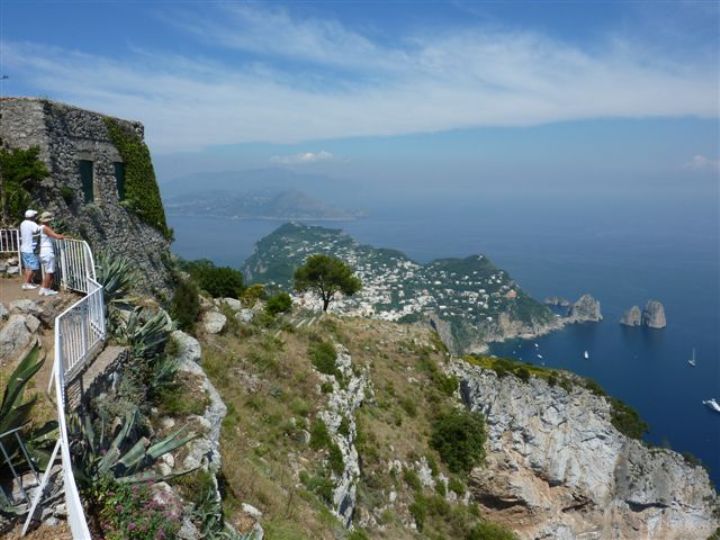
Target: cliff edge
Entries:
(558, 468)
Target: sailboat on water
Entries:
(692, 360)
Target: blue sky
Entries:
(408, 92)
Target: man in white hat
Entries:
(47, 253)
(28, 239)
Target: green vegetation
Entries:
(459, 436)
(217, 281)
(20, 174)
(325, 276)
(142, 195)
(323, 355)
(627, 420)
(490, 531)
(278, 303)
(185, 305)
(412, 479)
(128, 512)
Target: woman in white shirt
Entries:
(47, 253)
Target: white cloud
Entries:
(303, 158)
(702, 163)
(315, 79)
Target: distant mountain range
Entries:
(258, 194)
(261, 204)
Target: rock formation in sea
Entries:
(586, 309)
(653, 316)
(557, 301)
(558, 468)
(632, 317)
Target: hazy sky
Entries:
(544, 96)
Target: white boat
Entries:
(713, 404)
(692, 360)
(539, 355)
(586, 355)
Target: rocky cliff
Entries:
(632, 317)
(653, 316)
(585, 309)
(557, 467)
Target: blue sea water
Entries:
(621, 254)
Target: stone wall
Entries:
(65, 136)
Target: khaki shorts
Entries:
(48, 263)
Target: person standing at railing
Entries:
(29, 230)
(47, 253)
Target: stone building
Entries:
(86, 186)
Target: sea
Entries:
(622, 253)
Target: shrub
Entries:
(459, 436)
(68, 195)
(322, 355)
(523, 374)
(456, 486)
(412, 479)
(408, 405)
(627, 420)
(21, 172)
(252, 294)
(319, 436)
(217, 281)
(344, 428)
(418, 510)
(278, 303)
(337, 464)
(489, 531)
(185, 305)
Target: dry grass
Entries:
(272, 391)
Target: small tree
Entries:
(325, 275)
(20, 172)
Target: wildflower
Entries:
(131, 526)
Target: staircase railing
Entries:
(80, 332)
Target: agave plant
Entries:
(117, 276)
(123, 458)
(146, 333)
(15, 412)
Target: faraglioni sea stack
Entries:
(632, 317)
(653, 316)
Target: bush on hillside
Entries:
(278, 303)
(459, 438)
(185, 305)
(217, 281)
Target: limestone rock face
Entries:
(342, 404)
(631, 317)
(213, 322)
(586, 309)
(15, 335)
(653, 316)
(557, 468)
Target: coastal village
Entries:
(470, 291)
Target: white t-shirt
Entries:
(28, 228)
(46, 245)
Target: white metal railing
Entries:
(80, 332)
(10, 243)
(76, 265)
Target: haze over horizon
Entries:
(432, 101)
